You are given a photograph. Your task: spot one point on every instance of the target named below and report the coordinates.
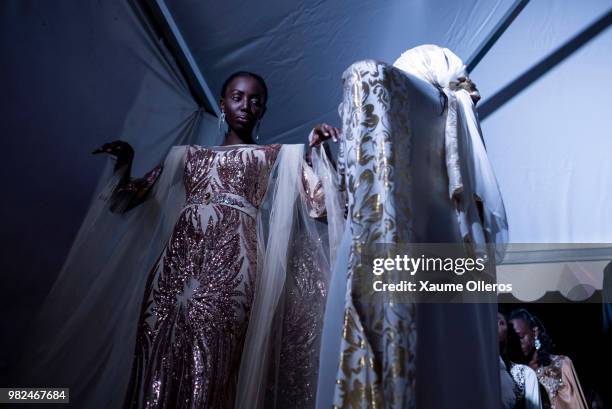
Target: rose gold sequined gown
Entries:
(198, 296)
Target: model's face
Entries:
(525, 335)
(244, 104)
(502, 328)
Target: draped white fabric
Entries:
(89, 319)
(470, 174)
(274, 227)
(282, 220)
(549, 138)
(88, 73)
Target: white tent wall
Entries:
(302, 47)
(74, 75)
(550, 145)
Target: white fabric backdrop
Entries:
(550, 145)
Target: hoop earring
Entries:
(222, 125)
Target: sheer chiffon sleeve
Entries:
(280, 356)
(134, 192)
(89, 335)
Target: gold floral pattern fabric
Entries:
(377, 366)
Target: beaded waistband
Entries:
(226, 199)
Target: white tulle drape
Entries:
(274, 222)
(282, 218)
(84, 336)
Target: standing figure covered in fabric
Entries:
(226, 244)
(413, 163)
(555, 373)
(519, 383)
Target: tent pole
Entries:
(553, 59)
(495, 34)
(176, 44)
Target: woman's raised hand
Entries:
(322, 132)
(122, 150)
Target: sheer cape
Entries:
(84, 336)
(285, 232)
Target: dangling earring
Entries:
(537, 343)
(222, 125)
(257, 130)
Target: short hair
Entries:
(245, 74)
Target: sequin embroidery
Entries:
(199, 293)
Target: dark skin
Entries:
(322, 132)
(527, 338)
(244, 105)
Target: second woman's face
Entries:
(525, 335)
(244, 104)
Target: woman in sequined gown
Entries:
(199, 293)
(555, 373)
(519, 383)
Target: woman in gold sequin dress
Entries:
(199, 295)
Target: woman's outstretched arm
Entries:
(129, 192)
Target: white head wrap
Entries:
(470, 174)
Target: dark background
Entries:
(577, 331)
